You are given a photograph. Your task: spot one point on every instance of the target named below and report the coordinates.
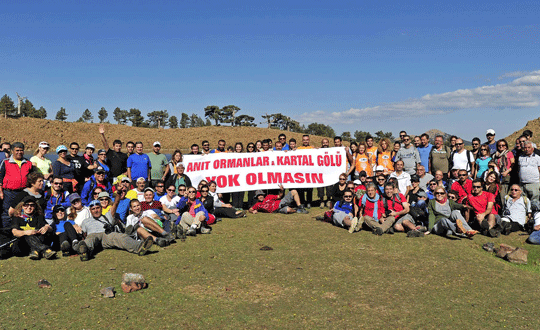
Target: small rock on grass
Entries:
(503, 250)
(488, 247)
(108, 292)
(266, 248)
(518, 256)
(43, 283)
(133, 282)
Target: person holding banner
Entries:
(278, 203)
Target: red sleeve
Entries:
(256, 206)
(491, 198)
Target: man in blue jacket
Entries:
(96, 180)
(55, 196)
(191, 214)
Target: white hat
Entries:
(379, 168)
(44, 145)
(90, 146)
(157, 144)
(357, 181)
(490, 131)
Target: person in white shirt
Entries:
(404, 178)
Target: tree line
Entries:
(213, 115)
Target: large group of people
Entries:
(80, 204)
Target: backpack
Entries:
(385, 201)
(470, 164)
(525, 200)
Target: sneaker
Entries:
(329, 204)
(206, 230)
(415, 233)
(354, 223)
(170, 237)
(321, 205)
(161, 242)
(83, 251)
(191, 232)
(49, 254)
(494, 232)
(65, 247)
(484, 224)
(34, 255)
(390, 231)
(145, 246)
(378, 231)
(460, 227)
(302, 210)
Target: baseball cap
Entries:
(379, 168)
(94, 203)
(73, 197)
(141, 179)
(148, 189)
(415, 178)
(357, 182)
(157, 144)
(29, 199)
(421, 193)
(99, 169)
(57, 208)
(44, 145)
(259, 192)
(103, 194)
(125, 179)
(61, 148)
(490, 132)
(101, 151)
(90, 146)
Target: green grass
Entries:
(316, 276)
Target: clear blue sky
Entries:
(461, 67)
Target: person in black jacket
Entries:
(179, 178)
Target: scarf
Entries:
(443, 201)
(500, 158)
(375, 204)
(89, 159)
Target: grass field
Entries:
(316, 276)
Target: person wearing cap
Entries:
(77, 212)
(423, 176)
(39, 161)
(404, 178)
(13, 174)
(138, 191)
(158, 162)
(105, 200)
(117, 159)
(99, 232)
(491, 142)
(104, 163)
(66, 234)
(65, 169)
(412, 195)
(281, 203)
(33, 232)
(55, 196)
(138, 164)
(96, 180)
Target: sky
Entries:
(461, 67)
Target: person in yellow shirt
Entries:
(371, 151)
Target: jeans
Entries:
(9, 196)
(534, 238)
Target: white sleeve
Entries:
(85, 213)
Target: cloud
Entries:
(523, 92)
(514, 74)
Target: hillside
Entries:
(31, 131)
(434, 132)
(533, 125)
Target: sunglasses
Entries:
(57, 183)
(103, 199)
(462, 175)
(477, 187)
(343, 178)
(95, 194)
(204, 191)
(406, 139)
(192, 192)
(29, 205)
(432, 184)
(459, 144)
(181, 190)
(439, 193)
(170, 189)
(348, 196)
(160, 186)
(514, 189)
(74, 148)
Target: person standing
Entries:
(462, 158)
(491, 142)
(13, 172)
(158, 163)
(117, 159)
(138, 164)
(424, 150)
(41, 163)
(529, 171)
(409, 155)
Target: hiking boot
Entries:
(321, 205)
(390, 231)
(174, 230)
(75, 245)
(359, 224)
(494, 232)
(145, 246)
(161, 242)
(191, 232)
(354, 223)
(460, 227)
(378, 231)
(34, 255)
(329, 204)
(301, 210)
(170, 237)
(319, 218)
(180, 233)
(484, 224)
(84, 254)
(206, 230)
(308, 206)
(506, 228)
(415, 233)
(65, 247)
(49, 254)
(129, 230)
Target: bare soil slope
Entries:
(533, 125)
(31, 131)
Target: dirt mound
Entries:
(31, 131)
(533, 125)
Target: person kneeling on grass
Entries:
(445, 218)
(191, 215)
(28, 224)
(98, 230)
(144, 224)
(278, 203)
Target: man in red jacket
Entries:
(13, 172)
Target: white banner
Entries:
(232, 172)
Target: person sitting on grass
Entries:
(98, 230)
(191, 215)
(445, 216)
(221, 209)
(463, 185)
(396, 210)
(144, 224)
(33, 232)
(372, 211)
(278, 203)
(481, 204)
(65, 232)
(516, 211)
(343, 213)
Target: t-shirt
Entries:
(482, 165)
(268, 205)
(424, 181)
(30, 223)
(133, 220)
(118, 162)
(440, 159)
(424, 155)
(480, 202)
(460, 160)
(158, 161)
(92, 225)
(384, 159)
(135, 194)
(410, 158)
(528, 168)
(492, 147)
(464, 190)
(169, 204)
(395, 203)
(372, 154)
(404, 180)
(81, 168)
(139, 165)
(43, 165)
(82, 214)
(363, 164)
